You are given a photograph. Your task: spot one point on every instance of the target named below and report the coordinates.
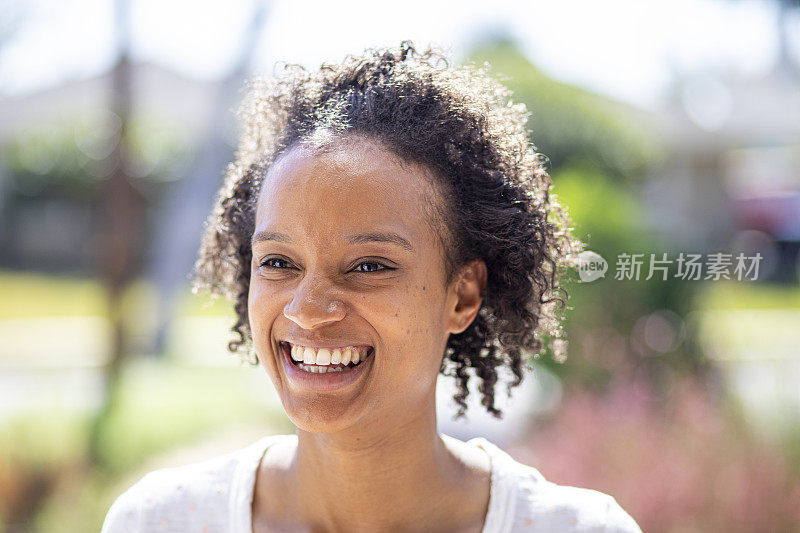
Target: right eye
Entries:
(276, 262)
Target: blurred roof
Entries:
(155, 91)
(718, 110)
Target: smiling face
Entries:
(348, 263)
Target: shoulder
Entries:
(563, 508)
(198, 495)
(522, 499)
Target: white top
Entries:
(215, 496)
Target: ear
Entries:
(466, 295)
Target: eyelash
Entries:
(265, 262)
(383, 267)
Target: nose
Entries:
(313, 306)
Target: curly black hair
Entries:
(461, 124)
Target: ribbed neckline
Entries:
(498, 514)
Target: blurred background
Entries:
(671, 127)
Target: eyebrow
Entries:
(389, 237)
(360, 238)
(263, 236)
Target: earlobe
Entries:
(469, 295)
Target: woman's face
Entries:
(346, 260)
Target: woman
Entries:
(386, 220)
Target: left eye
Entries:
(370, 266)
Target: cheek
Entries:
(414, 326)
(259, 313)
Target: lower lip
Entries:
(323, 382)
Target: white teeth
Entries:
(296, 354)
(346, 356)
(323, 356)
(320, 361)
(320, 369)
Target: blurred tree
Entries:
(569, 122)
(121, 245)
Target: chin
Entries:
(319, 416)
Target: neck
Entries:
(382, 477)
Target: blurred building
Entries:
(54, 145)
(731, 181)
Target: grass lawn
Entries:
(739, 295)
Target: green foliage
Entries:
(733, 295)
(43, 439)
(37, 451)
(605, 213)
(569, 122)
(71, 159)
(83, 508)
(47, 161)
(608, 217)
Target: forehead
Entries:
(352, 186)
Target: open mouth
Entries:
(324, 360)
